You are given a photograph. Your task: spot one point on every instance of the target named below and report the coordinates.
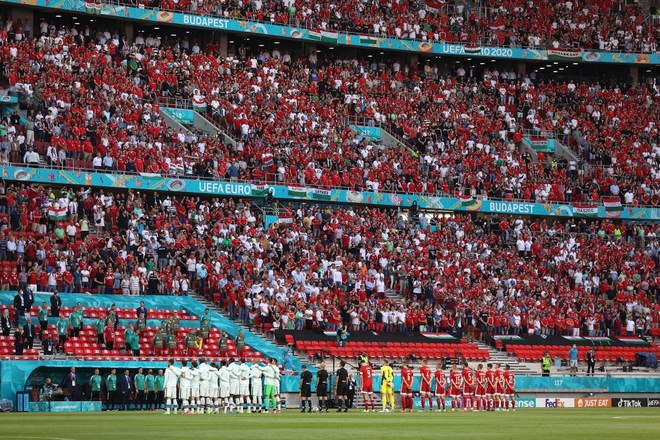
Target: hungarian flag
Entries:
(329, 37)
(564, 55)
(434, 6)
(199, 104)
(297, 191)
(92, 8)
(322, 194)
(178, 168)
(259, 190)
(585, 210)
(285, 219)
(632, 340)
(444, 336)
(507, 338)
(466, 201)
(57, 214)
(324, 36)
(613, 206)
(266, 161)
(597, 339)
(368, 39)
(573, 338)
(472, 48)
(315, 35)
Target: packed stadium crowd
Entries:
(331, 268)
(461, 129)
(599, 25)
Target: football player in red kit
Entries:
(499, 388)
(440, 384)
(468, 386)
(480, 391)
(455, 385)
(509, 401)
(490, 387)
(425, 385)
(407, 378)
(367, 386)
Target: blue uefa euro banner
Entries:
(338, 38)
(191, 186)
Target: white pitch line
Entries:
(35, 438)
(636, 417)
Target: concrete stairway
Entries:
(501, 357)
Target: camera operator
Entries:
(47, 391)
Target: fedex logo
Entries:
(554, 403)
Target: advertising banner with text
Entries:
(337, 38)
(190, 186)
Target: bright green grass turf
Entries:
(291, 425)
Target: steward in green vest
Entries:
(141, 323)
(546, 363)
(222, 344)
(190, 340)
(171, 342)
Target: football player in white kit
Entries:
(172, 374)
(204, 378)
(184, 385)
(224, 375)
(256, 387)
(234, 385)
(244, 386)
(194, 387)
(213, 387)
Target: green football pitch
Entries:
(524, 424)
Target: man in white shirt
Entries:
(184, 385)
(223, 376)
(194, 387)
(172, 375)
(213, 387)
(244, 386)
(204, 379)
(234, 386)
(256, 387)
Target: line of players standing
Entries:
(469, 390)
(224, 387)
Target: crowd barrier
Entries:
(190, 186)
(211, 23)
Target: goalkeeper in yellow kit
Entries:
(387, 385)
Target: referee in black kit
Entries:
(341, 387)
(322, 387)
(305, 389)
